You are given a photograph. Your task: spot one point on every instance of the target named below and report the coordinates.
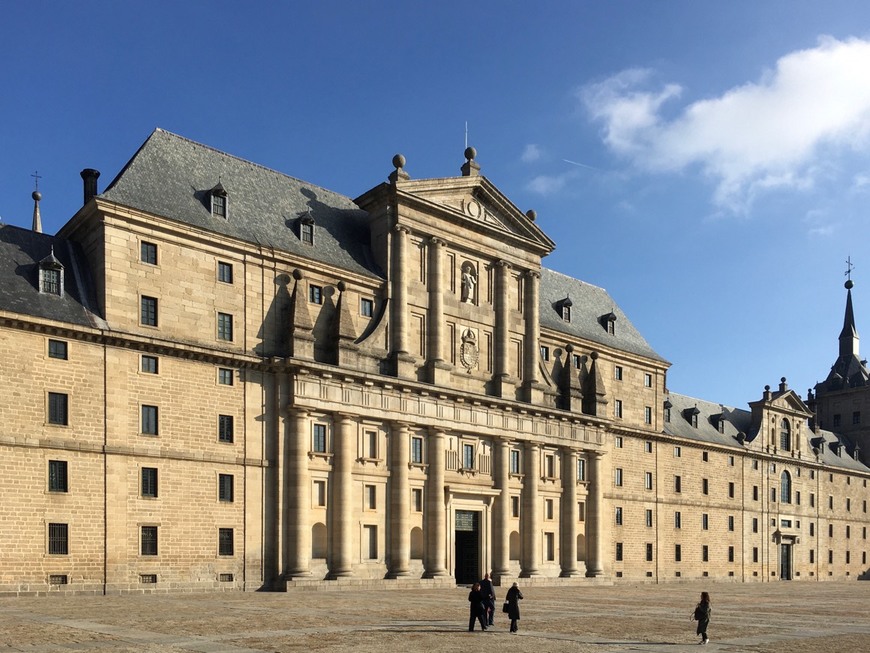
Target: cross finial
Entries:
(36, 177)
(849, 268)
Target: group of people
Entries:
(481, 601)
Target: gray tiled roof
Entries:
(171, 176)
(737, 420)
(589, 304)
(21, 250)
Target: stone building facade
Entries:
(221, 377)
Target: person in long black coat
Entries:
(702, 616)
(488, 592)
(477, 607)
(513, 599)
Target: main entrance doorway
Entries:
(467, 548)
(785, 561)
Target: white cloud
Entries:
(531, 153)
(753, 138)
(549, 184)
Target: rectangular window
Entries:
(647, 380)
(648, 480)
(371, 497)
(678, 484)
(755, 493)
(678, 519)
(550, 545)
(225, 327)
(677, 452)
(149, 482)
(515, 506)
(315, 294)
(617, 477)
(219, 205)
(545, 353)
(148, 253)
(225, 428)
(320, 493)
(57, 476)
(225, 376)
(617, 372)
(371, 445)
(647, 414)
(730, 554)
(581, 469)
(148, 311)
(366, 307)
(148, 543)
(705, 553)
(581, 511)
(58, 539)
(225, 487)
(617, 408)
(417, 499)
(370, 539)
(417, 450)
(318, 438)
(619, 551)
(515, 461)
(648, 516)
(705, 521)
(149, 364)
(755, 524)
(225, 541)
(755, 554)
(225, 272)
(812, 500)
(50, 281)
(647, 446)
(812, 529)
(856, 417)
(731, 490)
(548, 509)
(57, 349)
(467, 456)
(550, 465)
(705, 486)
(617, 441)
(149, 420)
(649, 552)
(618, 516)
(58, 408)
(730, 522)
(678, 553)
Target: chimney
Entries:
(90, 176)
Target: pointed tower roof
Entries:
(848, 370)
(37, 217)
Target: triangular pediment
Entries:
(786, 402)
(476, 203)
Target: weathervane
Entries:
(849, 268)
(36, 177)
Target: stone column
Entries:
(435, 347)
(569, 514)
(400, 503)
(399, 308)
(530, 518)
(341, 508)
(501, 362)
(532, 346)
(436, 510)
(501, 511)
(298, 526)
(595, 515)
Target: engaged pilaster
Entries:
(530, 518)
(400, 502)
(595, 516)
(569, 514)
(341, 510)
(501, 511)
(436, 510)
(298, 528)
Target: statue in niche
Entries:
(469, 283)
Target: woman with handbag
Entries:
(512, 605)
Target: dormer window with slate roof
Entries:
(51, 275)
(691, 415)
(306, 229)
(608, 321)
(667, 408)
(564, 308)
(219, 202)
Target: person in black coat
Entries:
(477, 607)
(702, 616)
(488, 592)
(513, 598)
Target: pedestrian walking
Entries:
(512, 600)
(488, 592)
(477, 608)
(702, 616)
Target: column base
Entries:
(392, 575)
(335, 575)
(438, 573)
(571, 573)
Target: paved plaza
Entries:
(777, 617)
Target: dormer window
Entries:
(691, 415)
(51, 275)
(306, 229)
(667, 410)
(564, 308)
(608, 321)
(219, 202)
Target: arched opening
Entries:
(785, 435)
(581, 548)
(515, 546)
(785, 488)
(318, 541)
(417, 546)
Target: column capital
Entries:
(296, 411)
(437, 242)
(532, 274)
(501, 263)
(401, 229)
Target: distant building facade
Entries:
(219, 377)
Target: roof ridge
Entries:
(568, 276)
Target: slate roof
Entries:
(171, 176)
(588, 304)
(21, 250)
(738, 420)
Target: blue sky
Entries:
(708, 163)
